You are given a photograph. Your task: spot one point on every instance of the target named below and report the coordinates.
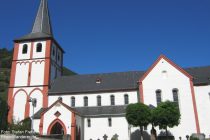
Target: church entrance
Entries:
(57, 129)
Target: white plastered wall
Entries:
(99, 127)
(19, 106)
(92, 98)
(36, 125)
(21, 76)
(37, 94)
(37, 73)
(166, 82)
(24, 56)
(39, 54)
(203, 108)
(20, 101)
(65, 117)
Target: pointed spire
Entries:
(42, 25)
(42, 22)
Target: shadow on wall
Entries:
(136, 135)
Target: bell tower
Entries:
(37, 60)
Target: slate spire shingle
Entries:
(42, 22)
(42, 25)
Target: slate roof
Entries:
(37, 115)
(87, 83)
(201, 75)
(102, 111)
(114, 81)
(42, 24)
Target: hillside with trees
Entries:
(5, 67)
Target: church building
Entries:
(92, 106)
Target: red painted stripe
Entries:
(195, 107)
(141, 92)
(73, 126)
(30, 64)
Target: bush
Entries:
(24, 125)
(193, 138)
(3, 86)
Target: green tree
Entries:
(166, 115)
(21, 126)
(138, 115)
(3, 114)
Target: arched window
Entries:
(209, 95)
(73, 101)
(98, 100)
(85, 101)
(88, 122)
(25, 49)
(53, 51)
(58, 57)
(176, 96)
(110, 122)
(112, 98)
(126, 99)
(158, 96)
(39, 47)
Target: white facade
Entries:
(202, 94)
(163, 76)
(92, 98)
(166, 77)
(65, 117)
(100, 127)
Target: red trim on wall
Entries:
(63, 104)
(27, 108)
(73, 126)
(27, 105)
(53, 123)
(30, 64)
(47, 62)
(11, 105)
(45, 97)
(23, 62)
(19, 91)
(152, 67)
(170, 62)
(41, 124)
(12, 83)
(141, 92)
(35, 90)
(195, 107)
(13, 70)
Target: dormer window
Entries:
(39, 47)
(98, 80)
(25, 49)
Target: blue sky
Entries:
(117, 35)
